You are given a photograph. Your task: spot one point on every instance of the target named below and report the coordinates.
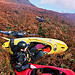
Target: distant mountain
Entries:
(70, 17)
(24, 2)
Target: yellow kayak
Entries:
(57, 46)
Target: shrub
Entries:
(9, 28)
(42, 31)
(48, 20)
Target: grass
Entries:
(64, 66)
(0, 50)
(51, 26)
(71, 60)
(48, 20)
(39, 23)
(8, 28)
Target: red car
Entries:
(45, 70)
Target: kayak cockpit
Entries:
(44, 49)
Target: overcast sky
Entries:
(65, 6)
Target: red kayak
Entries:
(45, 70)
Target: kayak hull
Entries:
(57, 46)
(28, 71)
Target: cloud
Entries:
(48, 1)
(67, 4)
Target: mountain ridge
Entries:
(23, 2)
